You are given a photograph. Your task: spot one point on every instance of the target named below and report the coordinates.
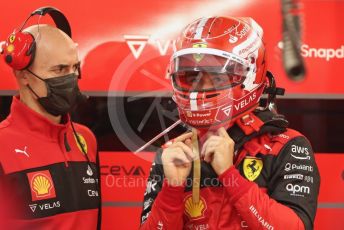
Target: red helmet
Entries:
(218, 71)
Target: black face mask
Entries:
(63, 94)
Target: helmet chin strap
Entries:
(249, 123)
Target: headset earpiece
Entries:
(16, 50)
(19, 48)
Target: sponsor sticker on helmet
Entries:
(199, 57)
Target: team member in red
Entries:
(48, 165)
(255, 172)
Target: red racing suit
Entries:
(274, 184)
(46, 182)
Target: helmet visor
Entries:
(204, 72)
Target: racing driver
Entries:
(256, 173)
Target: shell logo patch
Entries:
(199, 57)
(192, 210)
(82, 142)
(41, 184)
(252, 167)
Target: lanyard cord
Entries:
(94, 169)
(80, 144)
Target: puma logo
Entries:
(22, 151)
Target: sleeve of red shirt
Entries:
(167, 210)
(162, 204)
(279, 208)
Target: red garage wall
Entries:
(125, 45)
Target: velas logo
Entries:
(322, 53)
(137, 43)
(33, 207)
(245, 102)
(81, 143)
(42, 185)
(227, 110)
(194, 210)
(252, 167)
(45, 206)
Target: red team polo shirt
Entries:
(46, 182)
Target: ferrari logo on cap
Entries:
(199, 57)
(252, 167)
(81, 143)
(192, 210)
